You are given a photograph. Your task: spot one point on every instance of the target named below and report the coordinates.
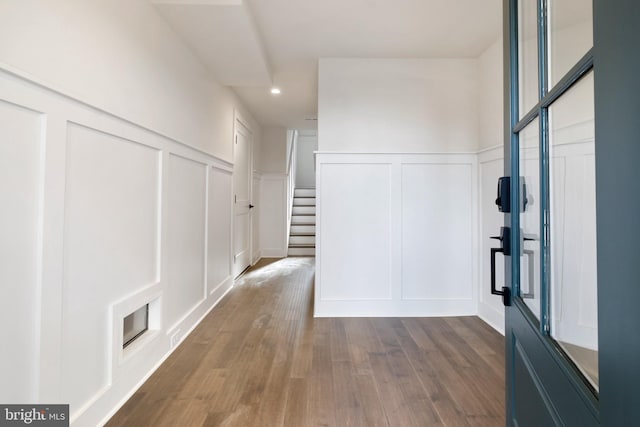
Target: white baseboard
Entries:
(491, 317)
(390, 308)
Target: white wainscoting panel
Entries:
(383, 221)
(219, 243)
(21, 173)
(111, 238)
(186, 236)
(273, 215)
(490, 168)
(437, 231)
(356, 222)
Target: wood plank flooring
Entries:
(261, 359)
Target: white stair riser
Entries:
(301, 210)
(301, 252)
(304, 201)
(297, 240)
(304, 192)
(303, 229)
(307, 219)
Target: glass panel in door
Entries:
(573, 293)
(527, 55)
(570, 35)
(529, 161)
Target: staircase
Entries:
(302, 237)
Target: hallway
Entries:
(261, 359)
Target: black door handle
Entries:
(251, 206)
(505, 292)
(505, 240)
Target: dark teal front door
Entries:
(572, 152)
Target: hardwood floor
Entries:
(261, 359)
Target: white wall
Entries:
(115, 165)
(121, 56)
(274, 146)
(490, 102)
(291, 134)
(306, 145)
(398, 105)
(271, 202)
(397, 233)
(273, 215)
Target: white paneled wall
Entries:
(355, 256)
(186, 221)
(490, 168)
(99, 217)
(437, 232)
(397, 234)
(111, 218)
(21, 155)
(219, 228)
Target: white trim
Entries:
(55, 90)
(491, 317)
(398, 153)
(151, 295)
(493, 147)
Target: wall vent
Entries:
(134, 325)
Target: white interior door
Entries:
(242, 199)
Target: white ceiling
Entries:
(251, 44)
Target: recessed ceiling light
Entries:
(275, 91)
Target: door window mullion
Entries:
(545, 261)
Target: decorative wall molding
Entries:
(367, 263)
(108, 157)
